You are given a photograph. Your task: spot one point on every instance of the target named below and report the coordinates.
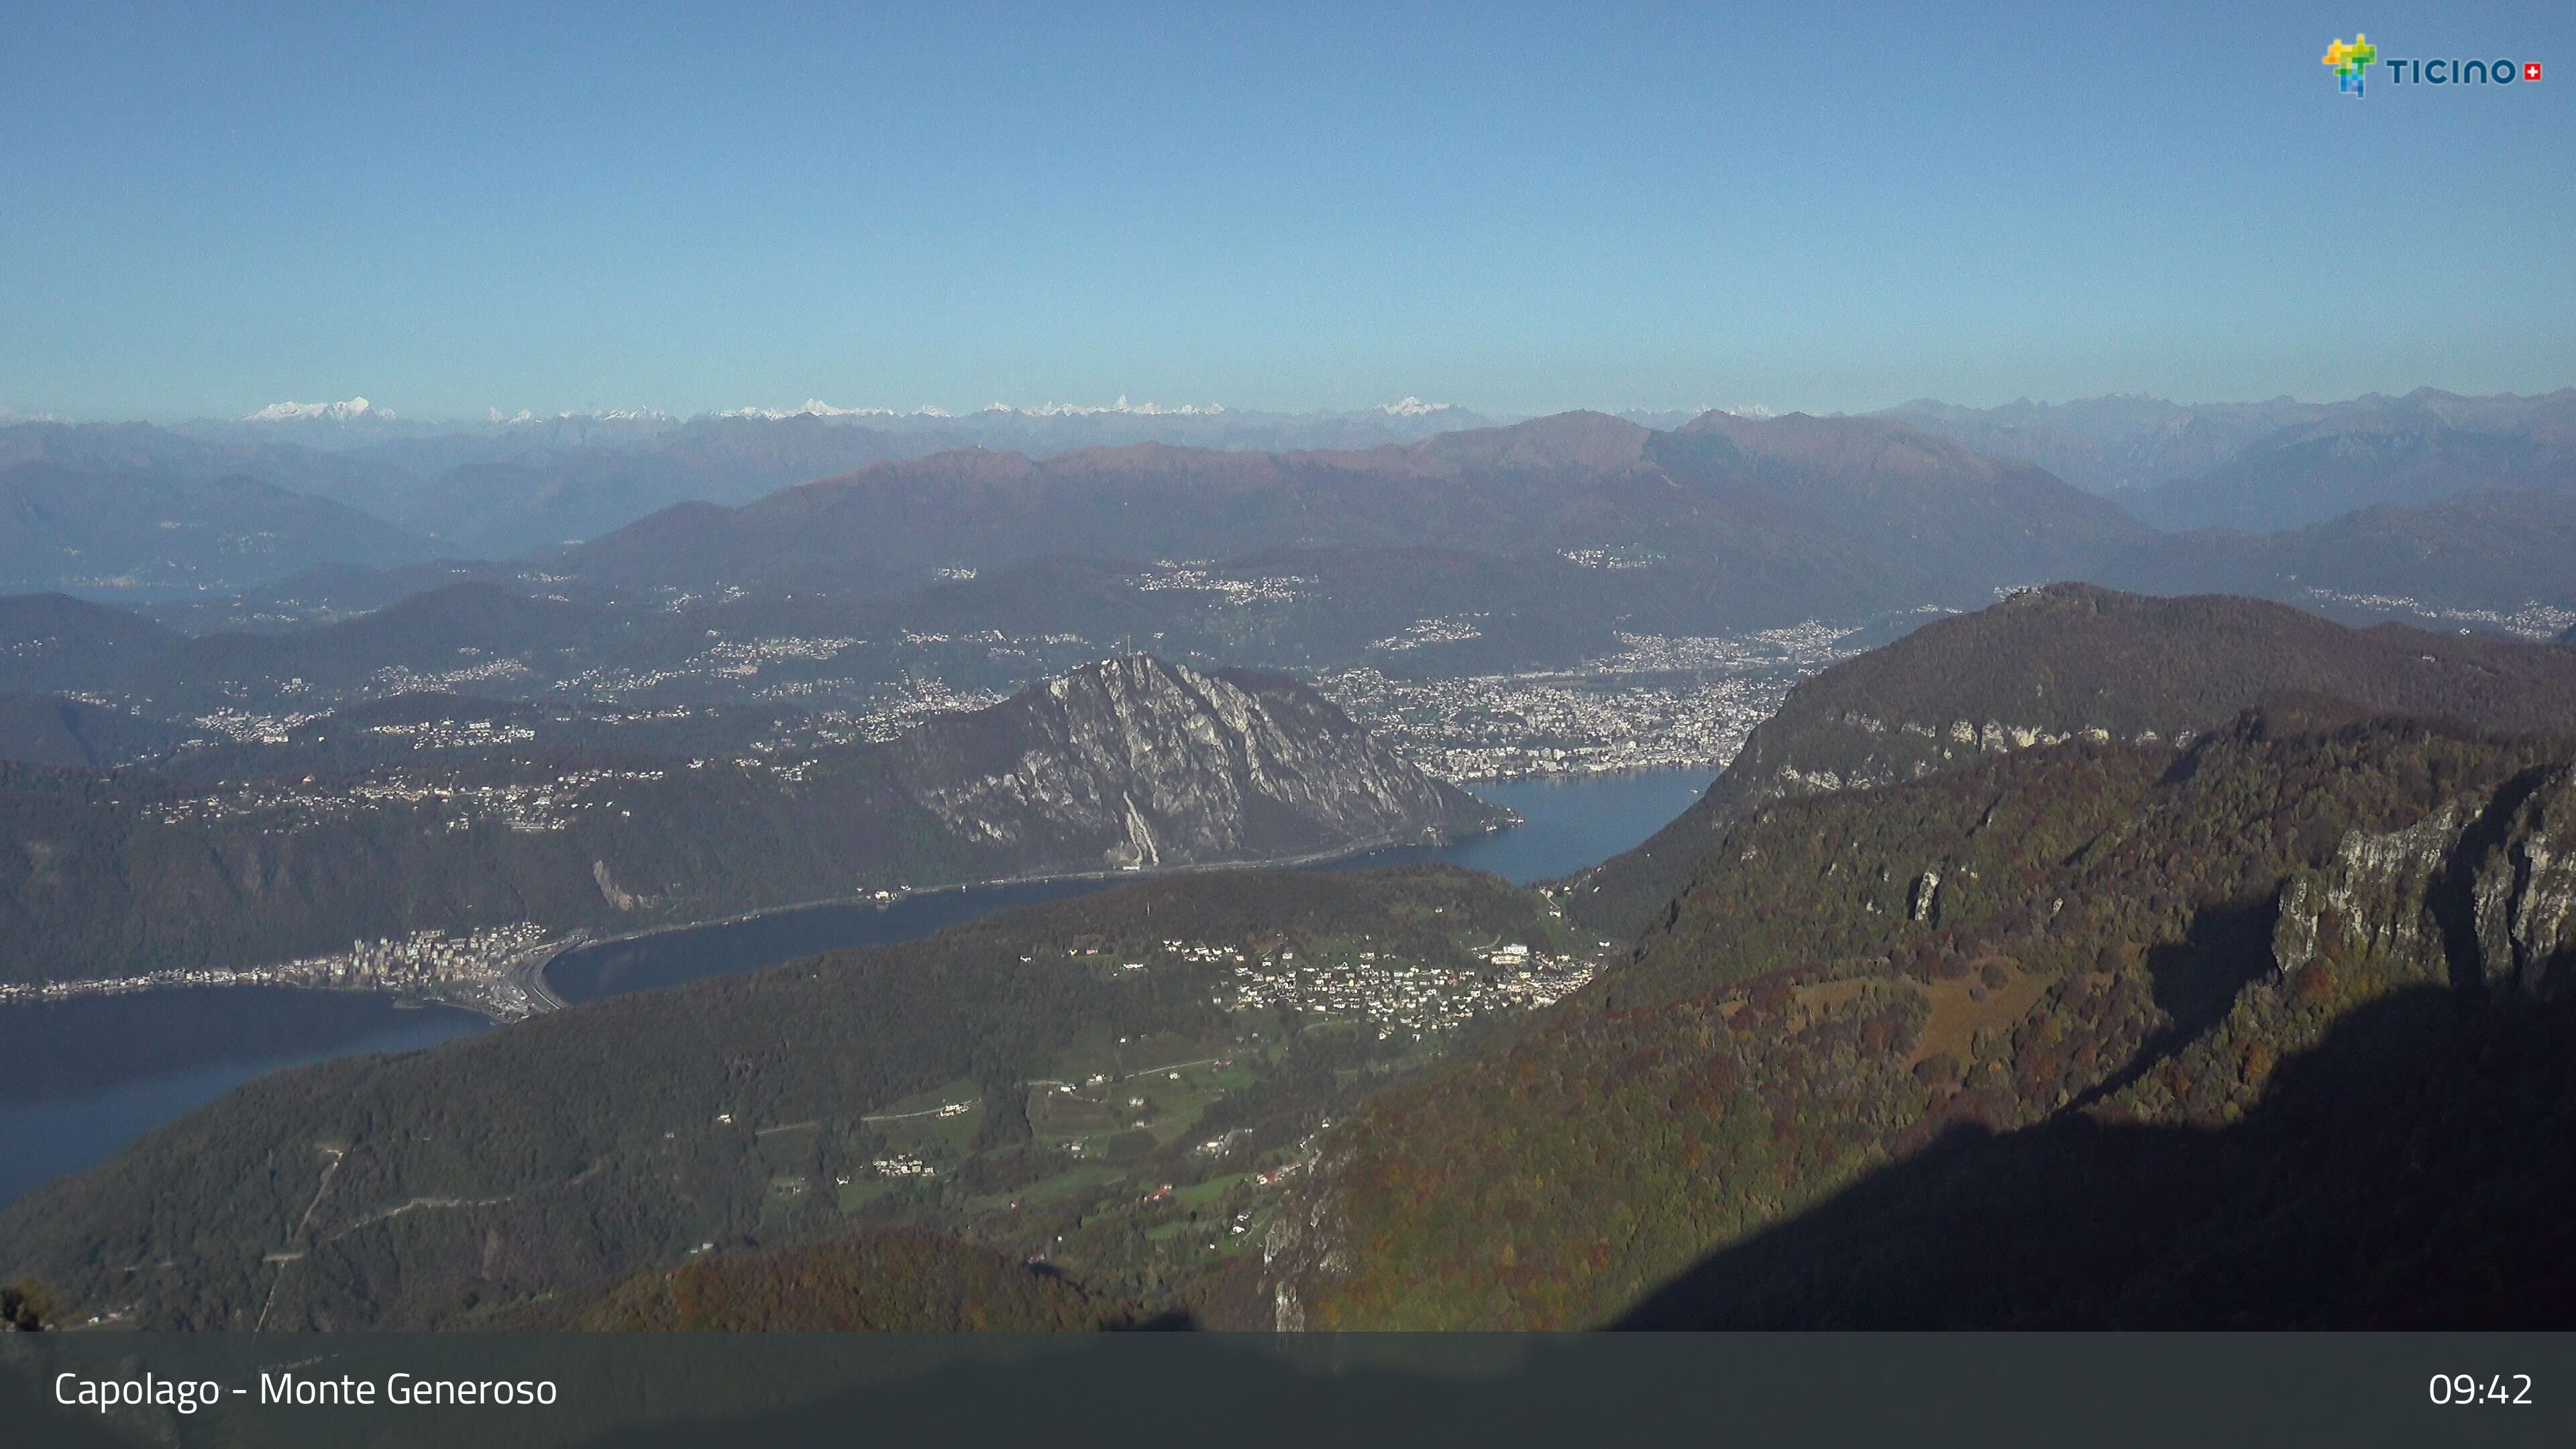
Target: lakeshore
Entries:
(101, 1069)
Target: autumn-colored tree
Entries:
(26, 1306)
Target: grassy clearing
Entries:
(865, 1189)
(1958, 1015)
(1203, 1193)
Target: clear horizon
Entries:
(699, 210)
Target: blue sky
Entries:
(1523, 209)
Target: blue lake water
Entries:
(87, 1077)
(1567, 825)
(1572, 823)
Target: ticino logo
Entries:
(2351, 63)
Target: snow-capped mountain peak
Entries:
(1412, 407)
(1143, 409)
(814, 407)
(356, 409)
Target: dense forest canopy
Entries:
(2054, 943)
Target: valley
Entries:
(1220, 1094)
(1251, 1005)
(97, 1069)
(681, 783)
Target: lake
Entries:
(1567, 825)
(88, 1076)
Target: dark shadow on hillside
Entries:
(2410, 1172)
(2196, 979)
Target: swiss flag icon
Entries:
(2531, 70)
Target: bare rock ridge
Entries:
(2481, 892)
(1139, 763)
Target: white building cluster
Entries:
(1662, 702)
(1193, 576)
(1396, 995)
(474, 970)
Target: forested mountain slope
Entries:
(52, 729)
(2085, 948)
(895, 1280)
(53, 643)
(546, 1162)
(2062, 661)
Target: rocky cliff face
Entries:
(1136, 763)
(2481, 892)
(2525, 892)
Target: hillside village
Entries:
(493, 970)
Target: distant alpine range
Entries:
(2347, 506)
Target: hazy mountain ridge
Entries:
(54, 643)
(512, 484)
(145, 531)
(1726, 522)
(2482, 558)
(541, 500)
(521, 485)
(51, 729)
(2111, 444)
(2410, 451)
(457, 625)
(142, 448)
(516, 485)
(1748, 520)
(2279, 463)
